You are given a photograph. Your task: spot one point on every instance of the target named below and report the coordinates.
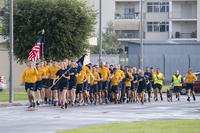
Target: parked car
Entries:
(196, 85)
(3, 83)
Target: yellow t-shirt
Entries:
(46, 72)
(121, 74)
(128, 81)
(29, 75)
(105, 72)
(40, 74)
(81, 77)
(52, 71)
(190, 78)
(95, 78)
(115, 80)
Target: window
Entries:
(149, 7)
(129, 13)
(149, 27)
(158, 7)
(157, 26)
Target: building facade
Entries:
(163, 20)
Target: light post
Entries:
(141, 36)
(100, 31)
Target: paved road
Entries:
(49, 119)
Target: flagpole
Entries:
(11, 91)
(43, 31)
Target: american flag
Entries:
(35, 53)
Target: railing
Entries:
(185, 35)
(127, 16)
(128, 35)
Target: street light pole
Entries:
(11, 96)
(141, 36)
(100, 31)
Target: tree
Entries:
(110, 44)
(67, 24)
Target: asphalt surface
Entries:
(50, 119)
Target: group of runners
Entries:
(63, 84)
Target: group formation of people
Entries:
(64, 83)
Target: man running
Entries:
(177, 81)
(158, 82)
(190, 78)
(29, 79)
(149, 78)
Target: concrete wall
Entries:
(4, 69)
(168, 57)
(113, 59)
(198, 20)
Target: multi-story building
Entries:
(162, 20)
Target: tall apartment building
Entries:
(163, 20)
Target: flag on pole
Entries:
(80, 63)
(35, 53)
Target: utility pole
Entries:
(141, 36)
(100, 31)
(11, 90)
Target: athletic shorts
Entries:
(30, 86)
(72, 85)
(128, 88)
(190, 86)
(79, 88)
(94, 89)
(54, 87)
(63, 85)
(149, 86)
(104, 85)
(38, 85)
(134, 87)
(141, 89)
(115, 89)
(100, 85)
(45, 83)
(177, 89)
(157, 86)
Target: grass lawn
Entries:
(169, 126)
(4, 96)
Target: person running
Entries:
(121, 84)
(105, 73)
(134, 84)
(81, 78)
(53, 69)
(63, 84)
(158, 82)
(190, 78)
(115, 80)
(38, 91)
(177, 81)
(45, 82)
(73, 82)
(86, 87)
(94, 86)
(149, 77)
(129, 78)
(142, 86)
(29, 79)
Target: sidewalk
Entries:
(15, 103)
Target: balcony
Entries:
(184, 11)
(127, 16)
(184, 30)
(127, 35)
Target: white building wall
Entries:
(198, 20)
